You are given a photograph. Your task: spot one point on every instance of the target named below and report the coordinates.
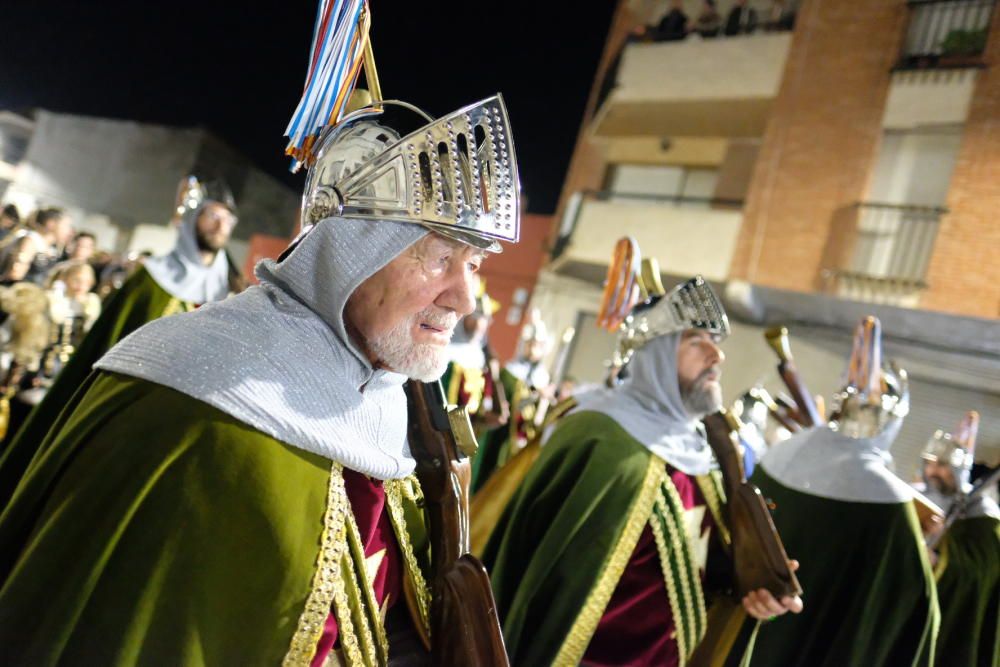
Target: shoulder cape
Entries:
(968, 572)
(155, 529)
(565, 538)
(868, 588)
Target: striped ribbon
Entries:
(335, 58)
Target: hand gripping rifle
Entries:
(465, 629)
(806, 411)
(759, 557)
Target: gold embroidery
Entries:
(327, 584)
(693, 578)
(175, 306)
(366, 610)
(395, 491)
(713, 494)
(669, 579)
(583, 628)
(687, 603)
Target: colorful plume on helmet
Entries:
(873, 394)
(389, 160)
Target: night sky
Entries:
(238, 68)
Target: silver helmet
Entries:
(456, 175)
(691, 305)
(956, 450)
(873, 395)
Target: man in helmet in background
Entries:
(966, 549)
(197, 271)
(598, 558)
(840, 509)
(524, 380)
(235, 486)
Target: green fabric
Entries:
(869, 595)
(559, 531)
(156, 530)
(969, 592)
(140, 300)
(494, 445)
(193, 538)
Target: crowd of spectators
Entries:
(53, 279)
(741, 19)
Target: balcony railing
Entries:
(882, 251)
(946, 33)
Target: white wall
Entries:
(915, 167)
(920, 99)
(687, 240)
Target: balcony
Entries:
(697, 88)
(946, 34)
(688, 235)
(879, 253)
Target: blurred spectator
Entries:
(17, 258)
(708, 22)
(55, 228)
(779, 17)
(83, 247)
(742, 20)
(9, 219)
(673, 25)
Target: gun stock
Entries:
(759, 558)
(807, 413)
(465, 629)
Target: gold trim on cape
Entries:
(583, 628)
(715, 496)
(395, 491)
(327, 585)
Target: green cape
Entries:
(140, 300)
(969, 591)
(494, 446)
(155, 529)
(564, 540)
(869, 596)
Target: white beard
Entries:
(397, 350)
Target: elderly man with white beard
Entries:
(234, 485)
(600, 556)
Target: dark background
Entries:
(238, 68)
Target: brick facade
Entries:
(964, 274)
(821, 141)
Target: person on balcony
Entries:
(673, 26)
(742, 19)
(709, 21)
(779, 17)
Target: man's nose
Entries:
(460, 293)
(715, 354)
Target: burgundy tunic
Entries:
(367, 497)
(637, 628)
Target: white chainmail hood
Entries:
(278, 357)
(180, 272)
(648, 405)
(825, 463)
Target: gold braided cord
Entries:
(681, 620)
(693, 577)
(367, 611)
(395, 491)
(327, 584)
(175, 305)
(714, 496)
(580, 634)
